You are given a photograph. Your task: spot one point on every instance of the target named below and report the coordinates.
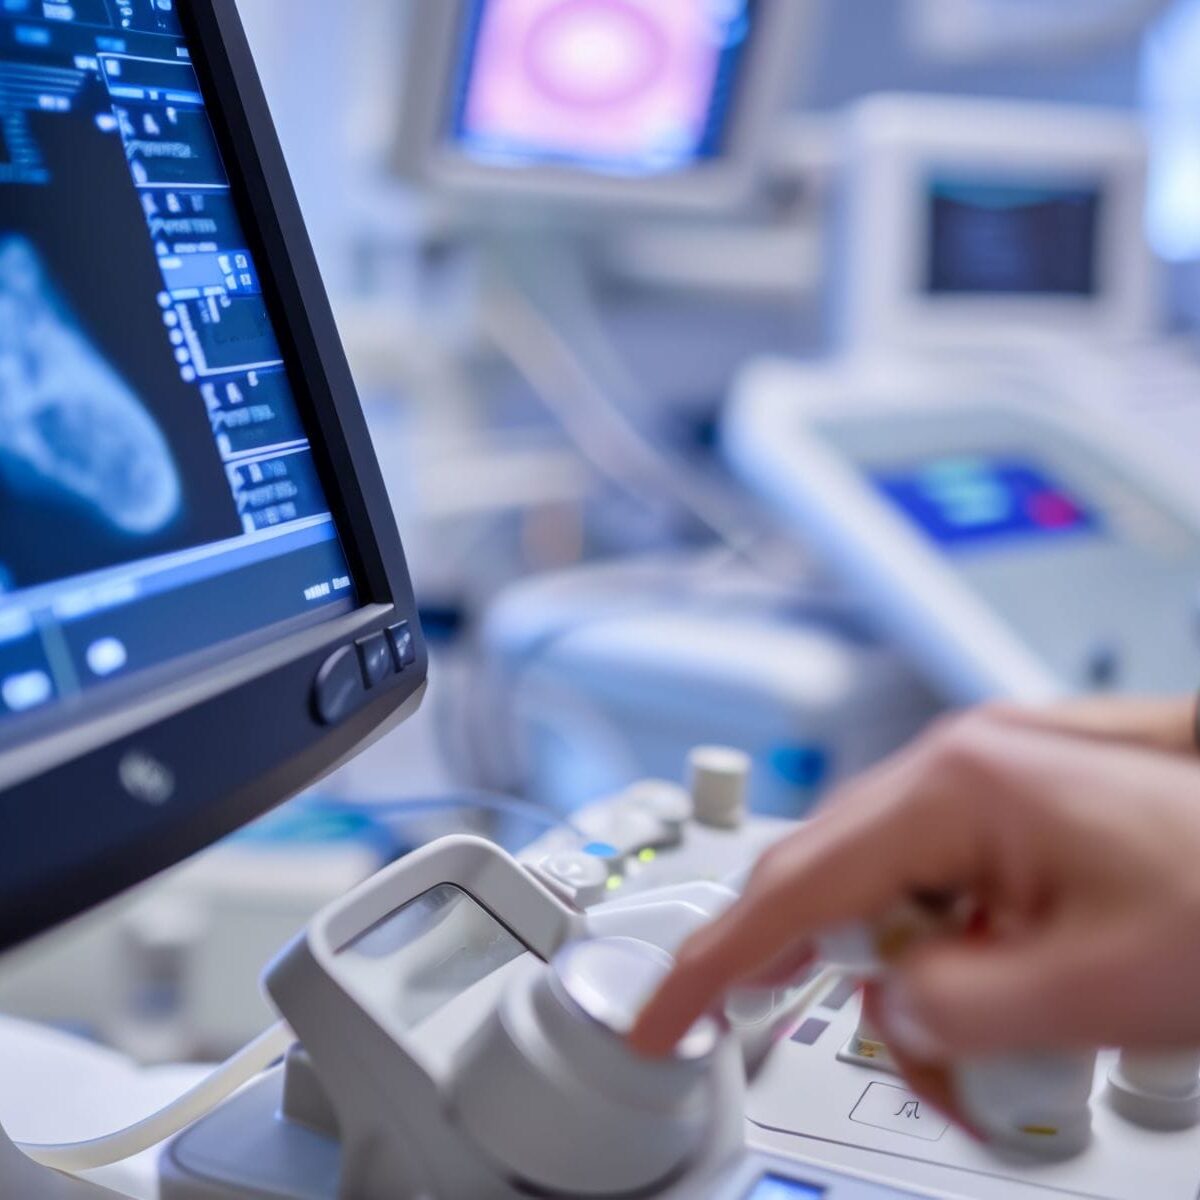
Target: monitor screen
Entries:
(989, 237)
(623, 87)
(964, 503)
(158, 492)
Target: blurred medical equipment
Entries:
(986, 234)
(623, 105)
(1016, 544)
(607, 674)
(991, 463)
(971, 31)
(531, 122)
(991, 227)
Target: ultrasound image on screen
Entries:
(159, 490)
(1000, 238)
(69, 424)
(105, 454)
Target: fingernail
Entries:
(905, 1027)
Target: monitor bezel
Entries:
(720, 184)
(251, 701)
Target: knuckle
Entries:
(965, 748)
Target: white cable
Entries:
(199, 1101)
(609, 441)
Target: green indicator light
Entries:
(614, 882)
(647, 856)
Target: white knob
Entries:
(1157, 1091)
(720, 778)
(584, 875)
(550, 1091)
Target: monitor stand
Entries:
(20, 1177)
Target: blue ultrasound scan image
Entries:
(69, 424)
(159, 490)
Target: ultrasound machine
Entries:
(206, 607)
(995, 457)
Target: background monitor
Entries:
(203, 600)
(643, 102)
(968, 222)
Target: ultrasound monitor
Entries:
(203, 599)
(615, 101)
(968, 223)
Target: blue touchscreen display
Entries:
(776, 1187)
(964, 503)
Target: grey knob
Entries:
(666, 802)
(572, 1092)
(720, 779)
(1157, 1091)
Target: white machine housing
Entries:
(611, 673)
(426, 151)
(1027, 618)
(899, 146)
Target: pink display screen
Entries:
(622, 86)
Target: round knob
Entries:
(666, 802)
(720, 778)
(548, 1087)
(1157, 1091)
(1037, 1104)
(584, 875)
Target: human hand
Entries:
(1076, 830)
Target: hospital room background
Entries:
(985, 208)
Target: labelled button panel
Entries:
(375, 654)
(339, 689)
(403, 644)
(899, 1111)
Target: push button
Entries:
(899, 1111)
(404, 646)
(375, 654)
(585, 876)
(339, 688)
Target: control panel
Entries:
(463, 1019)
(349, 676)
(1099, 1127)
(659, 833)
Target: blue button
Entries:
(601, 850)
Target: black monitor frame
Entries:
(232, 731)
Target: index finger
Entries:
(896, 830)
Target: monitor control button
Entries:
(404, 646)
(339, 688)
(375, 654)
